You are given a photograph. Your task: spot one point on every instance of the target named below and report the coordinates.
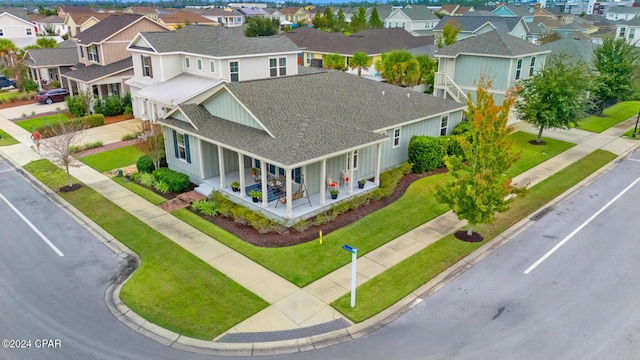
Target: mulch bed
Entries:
(462, 235)
(73, 187)
(292, 237)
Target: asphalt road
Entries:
(580, 302)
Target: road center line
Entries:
(24, 218)
(568, 237)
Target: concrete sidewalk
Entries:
(292, 308)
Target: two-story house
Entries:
(18, 29)
(472, 25)
(415, 19)
(514, 11)
(224, 17)
(240, 102)
(52, 25)
(629, 30)
(77, 22)
(620, 13)
(498, 56)
(47, 64)
(104, 63)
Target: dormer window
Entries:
(278, 67)
(92, 53)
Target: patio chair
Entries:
(331, 185)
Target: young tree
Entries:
(318, 21)
(450, 32)
(57, 147)
(618, 66)
(399, 68)
(340, 22)
(374, 19)
(548, 37)
(479, 189)
(359, 20)
(154, 144)
(328, 17)
(556, 96)
(333, 62)
(428, 67)
(257, 26)
(360, 61)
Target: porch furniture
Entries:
(299, 194)
(331, 184)
(345, 177)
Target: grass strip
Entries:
(139, 190)
(6, 139)
(113, 159)
(172, 288)
(31, 124)
(397, 282)
(611, 116)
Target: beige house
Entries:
(79, 22)
(17, 29)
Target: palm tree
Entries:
(333, 62)
(360, 61)
(7, 50)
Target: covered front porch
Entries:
(271, 206)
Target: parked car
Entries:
(51, 96)
(6, 82)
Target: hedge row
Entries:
(83, 122)
(427, 153)
(176, 182)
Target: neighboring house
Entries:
(104, 62)
(183, 18)
(64, 10)
(17, 29)
(514, 11)
(229, 18)
(571, 28)
(498, 56)
(294, 14)
(471, 25)
(47, 65)
(316, 44)
(454, 10)
(599, 36)
(252, 12)
(416, 19)
(629, 30)
(577, 46)
(79, 22)
(52, 24)
(148, 11)
(619, 13)
(383, 11)
(556, 14)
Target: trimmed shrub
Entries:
(131, 136)
(94, 120)
(144, 164)
(425, 153)
(177, 182)
(85, 122)
(98, 106)
(30, 86)
(162, 187)
(113, 106)
(206, 207)
(76, 105)
(145, 179)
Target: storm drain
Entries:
(540, 214)
(285, 334)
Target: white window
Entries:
(632, 33)
(518, 69)
(444, 125)
(146, 66)
(234, 71)
(182, 149)
(396, 137)
(181, 146)
(355, 160)
(532, 66)
(199, 62)
(278, 67)
(29, 31)
(92, 53)
(622, 31)
(212, 66)
(187, 63)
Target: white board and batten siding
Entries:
(224, 106)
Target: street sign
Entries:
(349, 249)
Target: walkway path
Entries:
(292, 307)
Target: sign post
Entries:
(354, 256)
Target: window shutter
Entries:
(150, 68)
(175, 143)
(186, 147)
(142, 63)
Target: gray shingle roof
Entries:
(633, 22)
(323, 119)
(52, 57)
(419, 12)
(518, 11)
(371, 41)
(577, 47)
(93, 72)
(471, 22)
(107, 27)
(216, 41)
(496, 43)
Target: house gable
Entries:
(225, 105)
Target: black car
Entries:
(51, 96)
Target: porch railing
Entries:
(443, 81)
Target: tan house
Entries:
(79, 22)
(148, 11)
(104, 63)
(181, 19)
(294, 14)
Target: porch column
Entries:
(287, 182)
(241, 173)
(265, 179)
(323, 181)
(376, 179)
(38, 80)
(221, 167)
(201, 163)
(350, 183)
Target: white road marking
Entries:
(24, 218)
(6, 170)
(579, 228)
(633, 159)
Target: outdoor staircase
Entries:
(204, 189)
(442, 81)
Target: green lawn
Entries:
(302, 264)
(31, 124)
(113, 159)
(394, 284)
(6, 139)
(139, 190)
(172, 288)
(7, 95)
(533, 155)
(629, 134)
(611, 116)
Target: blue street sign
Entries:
(349, 248)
